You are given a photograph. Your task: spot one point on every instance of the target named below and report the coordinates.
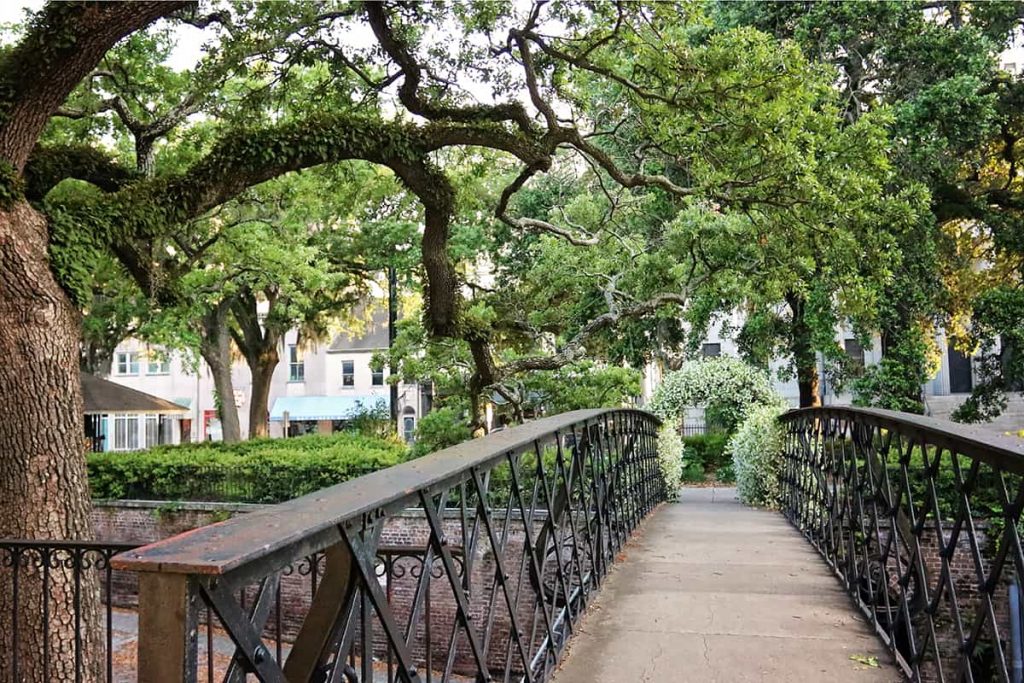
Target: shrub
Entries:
(439, 429)
(372, 419)
(256, 471)
(726, 387)
(670, 457)
(756, 450)
(707, 450)
(693, 473)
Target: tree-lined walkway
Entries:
(710, 590)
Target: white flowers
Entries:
(728, 384)
(742, 396)
(670, 456)
(756, 450)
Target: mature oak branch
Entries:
(40, 72)
(51, 164)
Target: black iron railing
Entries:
(517, 530)
(48, 601)
(54, 635)
(920, 519)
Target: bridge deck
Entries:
(711, 590)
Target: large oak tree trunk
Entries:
(801, 347)
(43, 482)
(215, 348)
(259, 401)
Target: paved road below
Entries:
(710, 590)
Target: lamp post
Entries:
(392, 320)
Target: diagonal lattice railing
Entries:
(514, 532)
(920, 519)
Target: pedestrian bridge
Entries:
(554, 551)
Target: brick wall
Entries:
(969, 599)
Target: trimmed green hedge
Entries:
(257, 471)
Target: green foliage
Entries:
(439, 429)
(756, 450)
(895, 382)
(373, 420)
(584, 384)
(999, 320)
(707, 450)
(255, 471)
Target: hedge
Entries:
(256, 471)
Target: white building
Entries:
(315, 387)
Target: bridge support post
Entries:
(168, 627)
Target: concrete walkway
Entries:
(710, 590)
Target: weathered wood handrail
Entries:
(538, 512)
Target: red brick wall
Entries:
(969, 598)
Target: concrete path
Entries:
(710, 590)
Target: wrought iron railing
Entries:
(921, 520)
(537, 514)
(48, 601)
(44, 587)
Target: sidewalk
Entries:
(711, 590)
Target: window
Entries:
(711, 350)
(348, 373)
(126, 432)
(127, 363)
(158, 366)
(296, 366)
(856, 354)
(152, 423)
(378, 377)
(409, 429)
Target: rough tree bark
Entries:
(42, 465)
(262, 369)
(215, 348)
(259, 342)
(43, 482)
(802, 349)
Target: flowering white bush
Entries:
(729, 385)
(756, 450)
(670, 457)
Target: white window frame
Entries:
(348, 379)
(156, 365)
(377, 377)
(149, 421)
(130, 362)
(409, 428)
(122, 440)
(296, 365)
